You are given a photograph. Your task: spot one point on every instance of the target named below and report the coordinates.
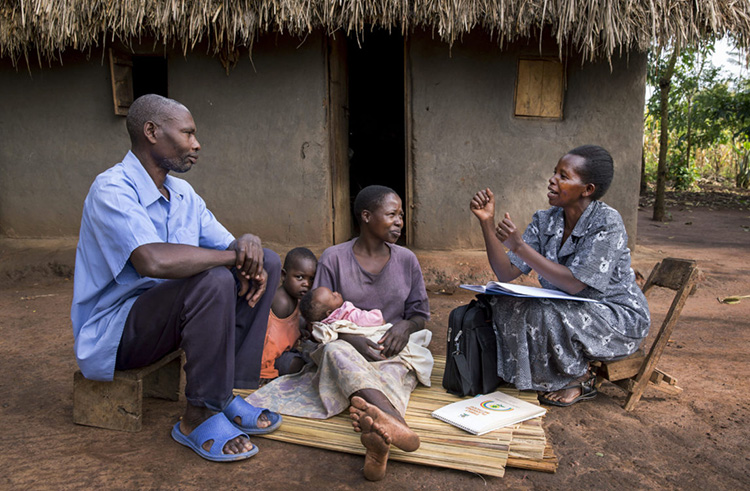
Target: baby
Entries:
(331, 316)
(323, 305)
(279, 354)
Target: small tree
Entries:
(663, 72)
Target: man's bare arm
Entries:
(175, 261)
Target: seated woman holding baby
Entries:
(370, 369)
(579, 246)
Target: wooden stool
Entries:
(118, 405)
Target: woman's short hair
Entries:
(370, 198)
(311, 310)
(598, 168)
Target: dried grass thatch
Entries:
(595, 28)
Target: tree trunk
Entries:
(689, 132)
(644, 184)
(665, 83)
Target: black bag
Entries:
(471, 357)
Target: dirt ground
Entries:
(698, 440)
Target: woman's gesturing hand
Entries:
(483, 205)
(508, 234)
(396, 338)
(371, 350)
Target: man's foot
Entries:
(390, 428)
(250, 419)
(580, 389)
(262, 422)
(195, 415)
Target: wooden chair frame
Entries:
(636, 372)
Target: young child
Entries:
(331, 316)
(284, 322)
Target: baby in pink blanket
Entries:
(323, 305)
(329, 317)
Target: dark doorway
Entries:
(150, 76)
(376, 114)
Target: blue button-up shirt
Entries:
(124, 210)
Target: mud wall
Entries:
(466, 137)
(264, 164)
(262, 129)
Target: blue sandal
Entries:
(249, 415)
(217, 428)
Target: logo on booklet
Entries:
(495, 406)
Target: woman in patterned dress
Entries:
(578, 246)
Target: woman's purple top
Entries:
(398, 290)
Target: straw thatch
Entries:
(595, 28)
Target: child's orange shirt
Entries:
(281, 336)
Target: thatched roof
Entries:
(596, 28)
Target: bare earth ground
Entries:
(698, 440)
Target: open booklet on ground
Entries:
(484, 413)
(498, 288)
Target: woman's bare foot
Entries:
(195, 415)
(377, 443)
(390, 428)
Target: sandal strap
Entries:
(248, 413)
(216, 428)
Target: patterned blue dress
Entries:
(544, 344)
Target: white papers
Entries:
(498, 288)
(484, 413)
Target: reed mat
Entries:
(523, 445)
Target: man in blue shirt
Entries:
(152, 275)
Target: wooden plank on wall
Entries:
(408, 148)
(539, 89)
(121, 74)
(338, 120)
(524, 89)
(552, 90)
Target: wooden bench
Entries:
(118, 405)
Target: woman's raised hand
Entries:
(483, 205)
(508, 234)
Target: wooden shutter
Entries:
(121, 72)
(539, 89)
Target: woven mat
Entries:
(523, 445)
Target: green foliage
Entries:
(709, 121)
(682, 177)
(743, 170)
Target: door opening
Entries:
(377, 153)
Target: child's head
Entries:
(318, 304)
(298, 272)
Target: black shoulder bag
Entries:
(471, 357)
